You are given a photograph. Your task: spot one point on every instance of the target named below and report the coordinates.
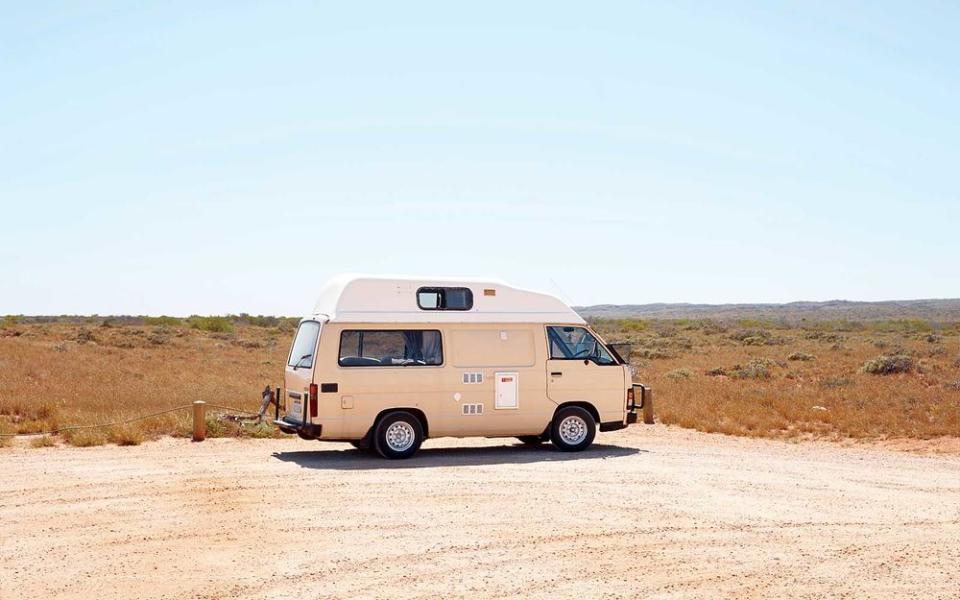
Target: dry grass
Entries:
(43, 441)
(84, 438)
(55, 375)
(773, 380)
(747, 378)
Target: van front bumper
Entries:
(304, 430)
(642, 393)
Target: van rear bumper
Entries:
(308, 430)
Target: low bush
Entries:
(651, 353)
(889, 364)
(43, 441)
(125, 436)
(717, 372)
(158, 338)
(800, 356)
(822, 336)
(757, 337)
(163, 321)
(84, 336)
(757, 368)
(680, 374)
(84, 438)
(212, 324)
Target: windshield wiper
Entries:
(302, 358)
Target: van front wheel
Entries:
(573, 429)
(398, 435)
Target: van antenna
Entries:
(566, 297)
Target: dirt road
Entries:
(649, 512)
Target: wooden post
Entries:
(648, 407)
(199, 420)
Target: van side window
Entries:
(444, 298)
(390, 348)
(571, 343)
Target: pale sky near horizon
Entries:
(217, 157)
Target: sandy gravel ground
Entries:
(651, 512)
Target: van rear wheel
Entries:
(573, 429)
(398, 435)
(530, 440)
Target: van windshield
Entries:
(304, 345)
(568, 343)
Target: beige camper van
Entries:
(385, 363)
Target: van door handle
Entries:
(556, 374)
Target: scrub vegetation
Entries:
(878, 379)
(833, 379)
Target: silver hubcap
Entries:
(573, 430)
(400, 436)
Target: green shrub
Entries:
(212, 324)
(757, 368)
(903, 325)
(889, 364)
(756, 337)
(11, 320)
(258, 320)
(800, 356)
(717, 372)
(163, 321)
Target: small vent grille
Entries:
(470, 378)
(473, 409)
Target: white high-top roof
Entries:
(369, 299)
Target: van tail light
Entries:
(313, 399)
(631, 399)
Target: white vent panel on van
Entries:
(473, 409)
(507, 390)
(471, 378)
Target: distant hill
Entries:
(932, 310)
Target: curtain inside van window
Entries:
(423, 346)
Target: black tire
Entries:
(578, 429)
(360, 444)
(304, 436)
(530, 440)
(405, 435)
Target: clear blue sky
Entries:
(171, 159)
